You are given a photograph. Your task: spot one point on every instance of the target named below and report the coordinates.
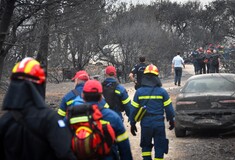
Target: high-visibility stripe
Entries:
(126, 100)
(146, 154)
(150, 97)
(69, 102)
(78, 119)
(104, 122)
(117, 91)
(122, 137)
(106, 105)
(136, 105)
(158, 158)
(166, 103)
(30, 65)
(61, 112)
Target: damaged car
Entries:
(206, 101)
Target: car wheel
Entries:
(179, 132)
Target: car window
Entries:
(212, 84)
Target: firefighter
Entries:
(155, 101)
(92, 94)
(119, 100)
(79, 79)
(137, 71)
(29, 130)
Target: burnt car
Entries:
(206, 101)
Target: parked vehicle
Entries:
(206, 101)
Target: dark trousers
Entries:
(202, 68)
(178, 75)
(214, 68)
(160, 143)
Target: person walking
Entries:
(137, 72)
(155, 101)
(92, 94)
(79, 79)
(29, 130)
(119, 99)
(177, 65)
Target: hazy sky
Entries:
(148, 1)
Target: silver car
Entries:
(206, 101)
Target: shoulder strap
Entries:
(18, 116)
(151, 93)
(76, 92)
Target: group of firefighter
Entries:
(208, 60)
(31, 130)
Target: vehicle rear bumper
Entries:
(205, 121)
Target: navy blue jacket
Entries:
(156, 100)
(122, 93)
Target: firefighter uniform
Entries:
(67, 100)
(157, 101)
(29, 130)
(121, 149)
(124, 97)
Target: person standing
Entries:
(177, 65)
(194, 57)
(92, 94)
(137, 72)
(29, 130)
(208, 56)
(119, 100)
(157, 103)
(214, 62)
(201, 59)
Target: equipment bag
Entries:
(93, 137)
(140, 114)
(111, 97)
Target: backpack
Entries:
(111, 97)
(93, 137)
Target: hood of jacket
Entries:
(22, 94)
(151, 80)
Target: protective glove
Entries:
(172, 124)
(133, 130)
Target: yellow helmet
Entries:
(29, 69)
(151, 69)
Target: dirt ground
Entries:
(196, 146)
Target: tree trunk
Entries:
(44, 42)
(4, 24)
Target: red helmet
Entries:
(151, 69)
(29, 69)
(92, 86)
